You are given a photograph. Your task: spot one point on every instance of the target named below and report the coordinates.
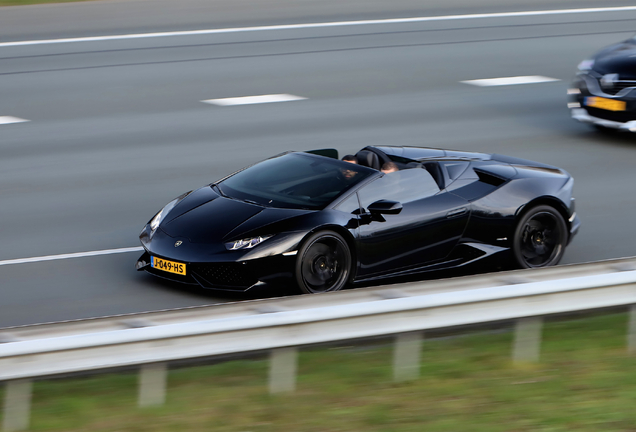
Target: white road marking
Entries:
(249, 100)
(9, 120)
(319, 25)
(490, 82)
(71, 255)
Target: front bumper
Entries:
(582, 115)
(226, 275)
(587, 85)
(211, 265)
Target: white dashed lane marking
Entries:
(71, 255)
(250, 100)
(491, 82)
(9, 120)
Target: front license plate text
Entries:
(604, 103)
(168, 266)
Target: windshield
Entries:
(294, 180)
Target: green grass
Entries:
(584, 382)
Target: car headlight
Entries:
(247, 243)
(586, 65)
(159, 217)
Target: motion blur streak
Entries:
(10, 120)
(71, 255)
(249, 100)
(490, 82)
(319, 25)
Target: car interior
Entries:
(375, 160)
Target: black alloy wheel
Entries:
(323, 263)
(540, 238)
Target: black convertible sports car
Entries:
(604, 90)
(322, 222)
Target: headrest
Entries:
(368, 159)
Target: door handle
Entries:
(457, 212)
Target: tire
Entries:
(540, 238)
(323, 263)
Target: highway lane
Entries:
(108, 17)
(117, 129)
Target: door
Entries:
(426, 230)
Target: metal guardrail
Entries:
(282, 325)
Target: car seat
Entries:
(368, 158)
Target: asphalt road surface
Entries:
(97, 135)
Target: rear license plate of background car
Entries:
(604, 103)
(168, 266)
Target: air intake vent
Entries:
(489, 178)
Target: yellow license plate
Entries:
(604, 103)
(168, 266)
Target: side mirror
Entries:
(385, 207)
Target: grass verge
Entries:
(584, 382)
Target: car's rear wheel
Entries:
(323, 263)
(540, 238)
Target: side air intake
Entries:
(489, 178)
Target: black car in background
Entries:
(604, 90)
(322, 223)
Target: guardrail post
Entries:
(282, 370)
(631, 330)
(527, 344)
(152, 384)
(17, 405)
(407, 353)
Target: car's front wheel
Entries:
(540, 238)
(323, 263)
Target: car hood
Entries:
(617, 59)
(222, 219)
